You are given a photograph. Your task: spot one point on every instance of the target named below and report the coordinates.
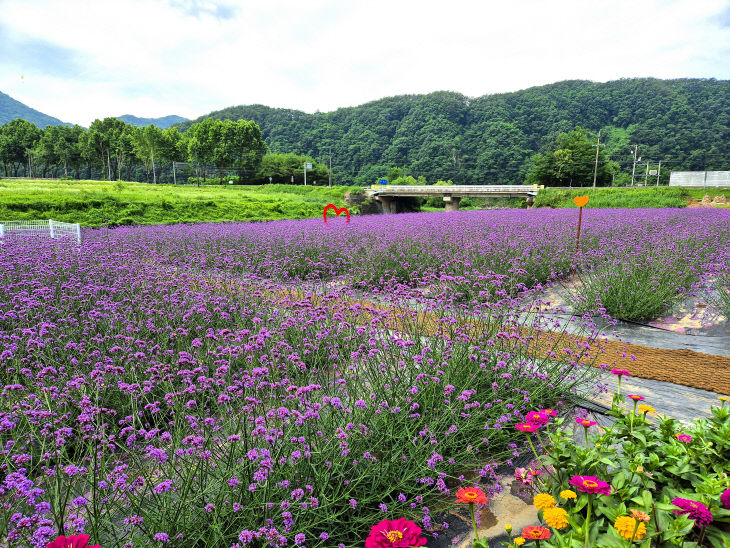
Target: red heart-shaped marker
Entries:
(580, 201)
(337, 211)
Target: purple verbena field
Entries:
(221, 385)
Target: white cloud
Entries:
(188, 57)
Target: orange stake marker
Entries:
(580, 201)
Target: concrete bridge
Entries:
(388, 195)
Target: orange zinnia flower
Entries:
(536, 533)
(471, 495)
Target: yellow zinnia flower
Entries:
(568, 494)
(543, 500)
(626, 526)
(519, 541)
(646, 409)
(723, 398)
(557, 518)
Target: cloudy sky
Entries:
(79, 60)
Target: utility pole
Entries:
(305, 173)
(646, 177)
(595, 169)
(658, 172)
(633, 170)
(330, 167)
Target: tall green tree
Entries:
(201, 144)
(18, 139)
(105, 138)
(68, 147)
(244, 146)
(570, 161)
(148, 142)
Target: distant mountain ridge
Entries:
(162, 122)
(491, 139)
(10, 109)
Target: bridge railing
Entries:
(457, 189)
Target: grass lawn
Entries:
(111, 203)
(627, 198)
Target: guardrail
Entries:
(457, 189)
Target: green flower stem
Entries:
(529, 439)
(587, 522)
(585, 432)
(473, 521)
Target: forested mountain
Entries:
(491, 139)
(10, 109)
(162, 123)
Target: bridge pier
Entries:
(452, 203)
(530, 201)
(388, 203)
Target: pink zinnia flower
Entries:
(725, 499)
(526, 427)
(537, 418)
(550, 412)
(585, 423)
(684, 438)
(693, 510)
(399, 533)
(620, 372)
(590, 484)
(75, 541)
(635, 397)
(524, 476)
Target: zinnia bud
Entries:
(508, 528)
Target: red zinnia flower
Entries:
(537, 418)
(590, 484)
(526, 427)
(535, 533)
(585, 423)
(694, 510)
(471, 494)
(399, 533)
(75, 541)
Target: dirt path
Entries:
(683, 367)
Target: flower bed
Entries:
(145, 407)
(633, 483)
(159, 388)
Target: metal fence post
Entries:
(78, 233)
(2, 231)
(50, 227)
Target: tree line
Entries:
(113, 150)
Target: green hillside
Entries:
(491, 139)
(10, 109)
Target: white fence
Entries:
(40, 229)
(700, 179)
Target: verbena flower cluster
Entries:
(285, 383)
